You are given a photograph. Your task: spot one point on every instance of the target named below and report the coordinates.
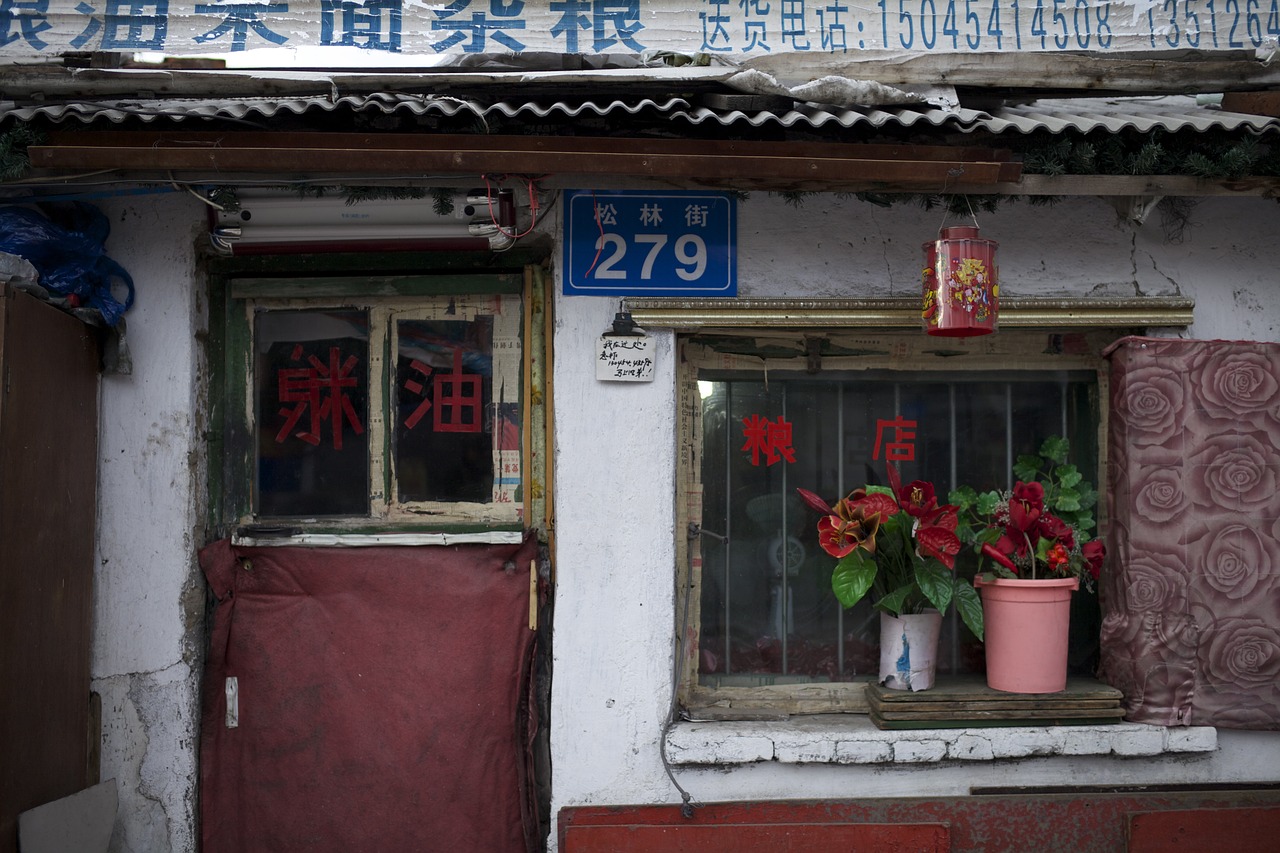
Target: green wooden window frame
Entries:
(239, 290)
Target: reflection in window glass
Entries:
(444, 425)
(312, 412)
(767, 613)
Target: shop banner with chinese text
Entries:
(735, 29)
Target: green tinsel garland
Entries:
(14, 162)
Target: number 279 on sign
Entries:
(637, 243)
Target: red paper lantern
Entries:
(961, 289)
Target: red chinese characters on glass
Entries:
(322, 391)
(902, 447)
(458, 398)
(770, 438)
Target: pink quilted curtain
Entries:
(1191, 595)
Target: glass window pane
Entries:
(445, 417)
(312, 410)
(768, 613)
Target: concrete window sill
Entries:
(853, 739)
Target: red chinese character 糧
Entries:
(767, 437)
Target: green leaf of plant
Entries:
(935, 582)
(963, 497)
(853, 576)
(987, 536)
(881, 490)
(1067, 501)
(969, 605)
(1027, 468)
(1068, 476)
(1055, 449)
(894, 601)
(987, 502)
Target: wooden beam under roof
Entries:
(700, 162)
(604, 163)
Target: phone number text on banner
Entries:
(735, 28)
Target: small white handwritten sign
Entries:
(624, 358)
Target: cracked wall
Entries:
(148, 594)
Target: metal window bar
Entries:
(785, 591)
(730, 536)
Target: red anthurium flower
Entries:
(939, 543)
(895, 482)
(917, 498)
(839, 536)
(1052, 527)
(813, 501)
(1094, 552)
(869, 504)
(991, 552)
(944, 517)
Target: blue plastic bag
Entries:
(69, 255)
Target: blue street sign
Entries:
(638, 243)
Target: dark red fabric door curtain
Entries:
(367, 699)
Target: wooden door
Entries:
(48, 476)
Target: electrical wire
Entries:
(530, 185)
(187, 188)
(595, 209)
(687, 801)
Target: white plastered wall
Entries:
(149, 597)
(614, 500)
(615, 460)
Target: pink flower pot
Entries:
(1026, 624)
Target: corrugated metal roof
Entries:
(248, 109)
(1168, 113)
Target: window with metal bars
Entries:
(766, 612)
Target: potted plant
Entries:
(898, 544)
(1037, 537)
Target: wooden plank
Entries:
(758, 838)
(355, 161)
(962, 706)
(979, 716)
(1079, 821)
(451, 142)
(973, 687)
(1240, 830)
(48, 469)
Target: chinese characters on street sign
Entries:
(631, 243)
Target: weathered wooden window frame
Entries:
(388, 297)
(882, 324)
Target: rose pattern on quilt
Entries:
(1191, 592)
